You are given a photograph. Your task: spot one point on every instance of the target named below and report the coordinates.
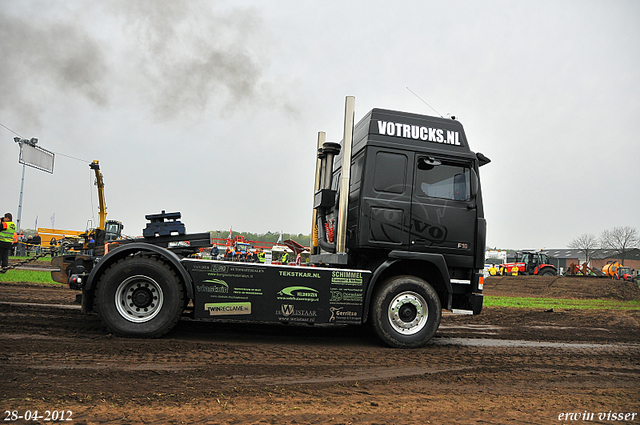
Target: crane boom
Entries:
(95, 166)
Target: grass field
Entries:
(32, 276)
(557, 303)
(41, 259)
(27, 276)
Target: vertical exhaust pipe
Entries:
(324, 196)
(314, 237)
(349, 115)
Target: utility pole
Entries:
(20, 201)
(20, 141)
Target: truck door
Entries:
(443, 211)
(386, 200)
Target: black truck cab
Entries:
(414, 206)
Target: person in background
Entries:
(54, 247)
(92, 244)
(29, 245)
(37, 241)
(14, 244)
(7, 232)
(22, 240)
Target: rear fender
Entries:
(125, 250)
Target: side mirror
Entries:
(482, 160)
(474, 184)
(427, 163)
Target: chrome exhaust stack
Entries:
(325, 197)
(343, 207)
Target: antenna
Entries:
(425, 102)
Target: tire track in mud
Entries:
(278, 363)
(47, 339)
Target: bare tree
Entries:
(620, 239)
(586, 243)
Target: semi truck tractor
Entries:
(398, 236)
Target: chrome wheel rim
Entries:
(139, 299)
(408, 313)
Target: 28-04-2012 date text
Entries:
(35, 415)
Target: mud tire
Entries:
(547, 271)
(406, 312)
(140, 297)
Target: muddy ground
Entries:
(519, 366)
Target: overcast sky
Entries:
(212, 108)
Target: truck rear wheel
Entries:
(406, 312)
(140, 297)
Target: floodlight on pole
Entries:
(33, 156)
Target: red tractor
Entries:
(530, 263)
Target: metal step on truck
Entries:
(398, 236)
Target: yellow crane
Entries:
(107, 230)
(95, 166)
(94, 241)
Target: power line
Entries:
(57, 153)
(11, 130)
(72, 157)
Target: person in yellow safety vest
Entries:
(285, 258)
(7, 232)
(261, 256)
(514, 271)
(493, 270)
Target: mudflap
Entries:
(86, 301)
(477, 301)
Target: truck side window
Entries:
(444, 181)
(389, 172)
(356, 169)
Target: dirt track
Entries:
(504, 366)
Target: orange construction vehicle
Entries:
(617, 271)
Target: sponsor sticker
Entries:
(228, 309)
(346, 278)
(312, 275)
(298, 293)
(338, 314)
(215, 286)
(345, 296)
(289, 313)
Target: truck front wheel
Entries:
(139, 297)
(406, 312)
